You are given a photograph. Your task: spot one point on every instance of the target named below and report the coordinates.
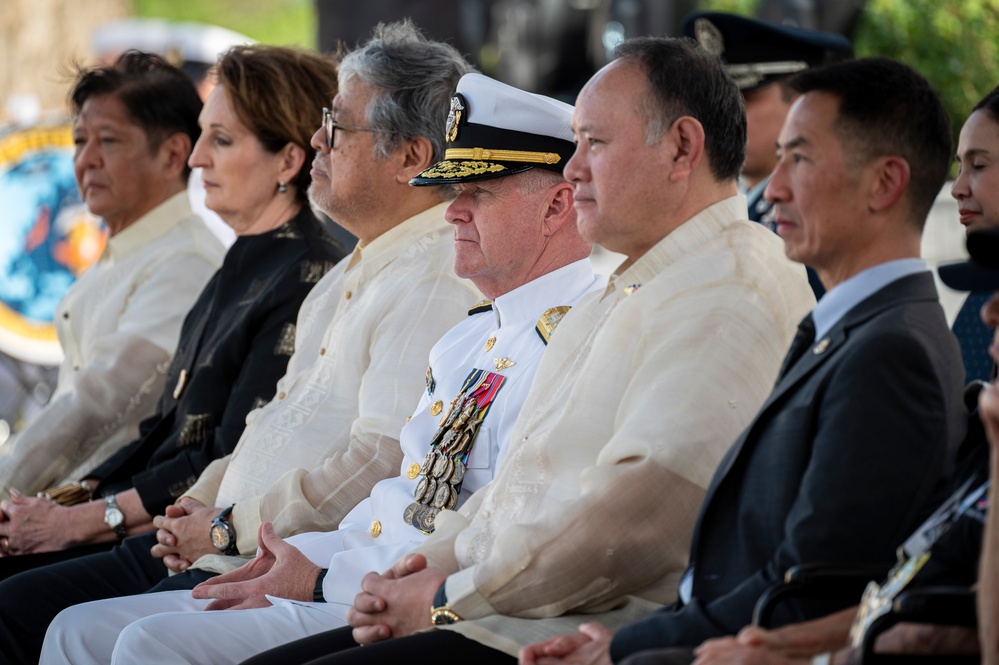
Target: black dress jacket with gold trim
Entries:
(234, 346)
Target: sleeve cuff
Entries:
(246, 520)
(202, 497)
(463, 598)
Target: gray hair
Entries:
(536, 180)
(413, 79)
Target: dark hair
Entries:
(887, 108)
(159, 98)
(278, 92)
(990, 103)
(684, 79)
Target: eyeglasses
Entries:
(330, 125)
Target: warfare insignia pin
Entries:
(503, 363)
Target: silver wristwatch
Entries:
(113, 517)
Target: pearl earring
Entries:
(282, 187)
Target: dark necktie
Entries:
(802, 340)
(974, 338)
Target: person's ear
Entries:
(685, 140)
(416, 155)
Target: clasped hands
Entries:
(183, 534)
(396, 603)
(32, 525)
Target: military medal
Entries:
(443, 469)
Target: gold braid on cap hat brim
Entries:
(448, 169)
(465, 162)
(479, 154)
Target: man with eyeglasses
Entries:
(361, 345)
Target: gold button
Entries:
(436, 408)
(281, 395)
(408, 418)
(322, 351)
(348, 295)
(413, 471)
(490, 342)
(376, 529)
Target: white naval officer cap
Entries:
(495, 130)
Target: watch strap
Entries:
(222, 521)
(440, 613)
(317, 592)
(440, 598)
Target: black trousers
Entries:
(337, 647)
(31, 599)
(13, 565)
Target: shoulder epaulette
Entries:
(549, 322)
(484, 306)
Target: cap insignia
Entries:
(449, 169)
(709, 36)
(453, 118)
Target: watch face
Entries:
(113, 517)
(220, 537)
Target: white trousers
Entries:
(171, 628)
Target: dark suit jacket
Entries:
(845, 458)
(234, 346)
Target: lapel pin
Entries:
(821, 346)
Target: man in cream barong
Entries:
(635, 401)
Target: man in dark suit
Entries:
(851, 447)
(762, 57)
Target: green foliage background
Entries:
(283, 22)
(953, 43)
